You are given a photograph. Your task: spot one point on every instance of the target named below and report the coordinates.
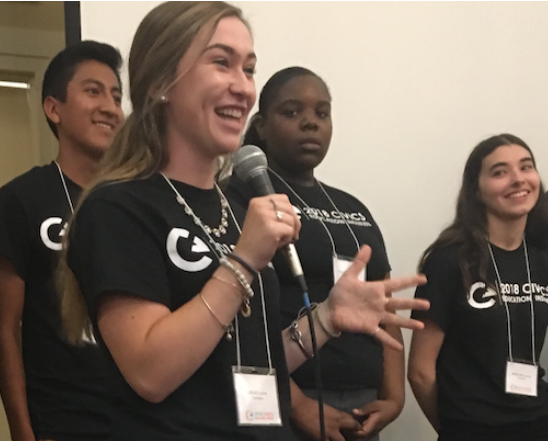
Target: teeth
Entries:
(518, 194)
(232, 113)
(104, 125)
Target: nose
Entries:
(518, 176)
(309, 120)
(110, 106)
(242, 85)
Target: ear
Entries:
(259, 122)
(50, 106)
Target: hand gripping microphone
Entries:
(251, 166)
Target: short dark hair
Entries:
(63, 66)
(268, 94)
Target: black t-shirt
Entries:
(471, 365)
(134, 237)
(66, 391)
(353, 360)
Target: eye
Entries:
(118, 99)
(93, 91)
(221, 62)
(250, 71)
(527, 167)
(290, 113)
(323, 114)
(497, 173)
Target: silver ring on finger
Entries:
(279, 215)
(378, 329)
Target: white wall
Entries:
(415, 87)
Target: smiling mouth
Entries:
(104, 125)
(519, 194)
(232, 113)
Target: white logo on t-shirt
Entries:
(481, 297)
(45, 233)
(198, 246)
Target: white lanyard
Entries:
(508, 321)
(319, 219)
(219, 253)
(65, 187)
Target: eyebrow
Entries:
(502, 163)
(98, 83)
(298, 102)
(228, 49)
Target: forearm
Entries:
(393, 381)
(158, 350)
(294, 354)
(426, 393)
(13, 387)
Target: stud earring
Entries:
(163, 99)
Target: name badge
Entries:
(341, 264)
(521, 379)
(257, 401)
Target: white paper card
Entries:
(257, 399)
(341, 265)
(521, 379)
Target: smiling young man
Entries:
(52, 390)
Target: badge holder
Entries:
(521, 378)
(341, 264)
(256, 388)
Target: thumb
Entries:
(360, 261)
(366, 409)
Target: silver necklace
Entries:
(499, 290)
(65, 187)
(220, 254)
(217, 231)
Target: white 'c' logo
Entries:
(44, 232)
(487, 298)
(198, 246)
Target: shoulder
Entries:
(340, 196)
(443, 257)
(35, 178)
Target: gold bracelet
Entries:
(228, 328)
(245, 309)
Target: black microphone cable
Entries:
(251, 165)
(315, 353)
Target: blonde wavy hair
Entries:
(139, 149)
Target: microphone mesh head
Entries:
(249, 161)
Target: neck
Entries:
(305, 179)
(506, 234)
(191, 166)
(80, 168)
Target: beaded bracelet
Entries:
(245, 309)
(243, 263)
(239, 276)
(228, 328)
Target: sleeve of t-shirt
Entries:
(442, 272)
(112, 250)
(15, 234)
(383, 255)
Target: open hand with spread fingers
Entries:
(361, 307)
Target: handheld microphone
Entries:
(251, 165)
